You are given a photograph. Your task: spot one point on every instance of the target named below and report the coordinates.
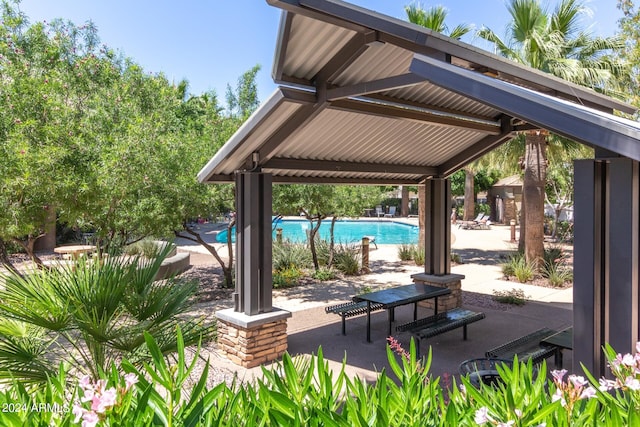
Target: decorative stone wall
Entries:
(451, 281)
(250, 341)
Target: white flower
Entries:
(588, 393)
(632, 383)
(481, 416)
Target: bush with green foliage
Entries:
(418, 255)
(516, 265)
(286, 277)
(289, 254)
(324, 274)
(304, 391)
(406, 252)
(347, 259)
(514, 296)
(90, 314)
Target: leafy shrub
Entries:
(514, 296)
(406, 252)
(322, 250)
(324, 274)
(148, 248)
(557, 274)
(347, 259)
(455, 258)
(518, 266)
(289, 255)
(287, 277)
(418, 255)
(91, 314)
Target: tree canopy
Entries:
(112, 149)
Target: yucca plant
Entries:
(406, 251)
(556, 274)
(347, 259)
(91, 314)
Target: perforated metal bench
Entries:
(441, 323)
(350, 309)
(526, 347)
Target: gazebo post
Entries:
(253, 332)
(437, 245)
(606, 254)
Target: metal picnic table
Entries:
(401, 295)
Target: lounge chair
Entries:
(379, 211)
(392, 212)
(473, 222)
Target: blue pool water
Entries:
(346, 231)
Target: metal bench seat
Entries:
(441, 323)
(525, 347)
(350, 309)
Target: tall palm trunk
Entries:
(469, 195)
(533, 190)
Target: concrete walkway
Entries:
(480, 250)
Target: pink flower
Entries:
(558, 375)
(78, 411)
(606, 385)
(507, 424)
(104, 401)
(632, 383)
(85, 382)
(638, 347)
(482, 415)
(578, 381)
(130, 380)
(588, 393)
(628, 360)
(90, 419)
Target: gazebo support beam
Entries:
(606, 254)
(437, 244)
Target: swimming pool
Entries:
(346, 231)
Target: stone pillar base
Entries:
(250, 341)
(451, 281)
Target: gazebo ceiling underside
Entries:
(364, 111)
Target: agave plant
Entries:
(90, 314)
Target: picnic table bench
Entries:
(440, 323)
(350, 309)
(525, 347)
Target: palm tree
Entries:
(434, 19)
(555, 43)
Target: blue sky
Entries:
(212, 42)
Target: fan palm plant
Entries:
(558, 44)
(91, 314)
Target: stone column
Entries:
(451, 281)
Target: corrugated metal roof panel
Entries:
(307, 55)
(348, 136)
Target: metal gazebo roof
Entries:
(374, 100)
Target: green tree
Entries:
(630, 33)
(434, 18)
(558, 44)
(318, 202)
